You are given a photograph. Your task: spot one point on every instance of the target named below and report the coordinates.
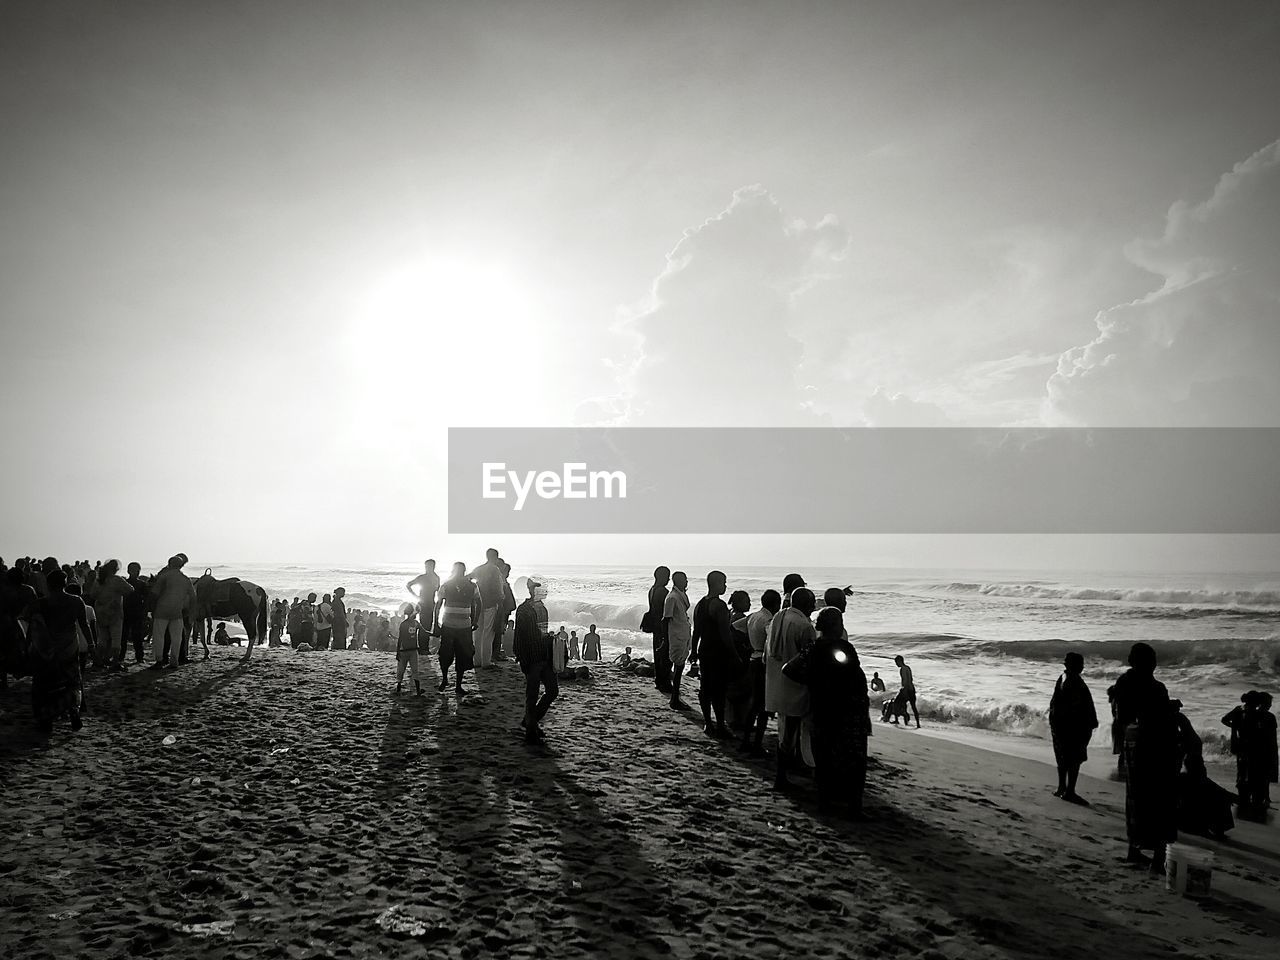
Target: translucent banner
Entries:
(860, 480)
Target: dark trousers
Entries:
(713, 687)
(840, 770)
(536, 676)
(322, 638)
(661, 661)
(339, 641)
(135, 634)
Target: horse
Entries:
(232, 598)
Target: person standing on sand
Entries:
(135, 613)
(339, 619)
(841, 722)
(790, 632)
(409, 642)
(907, 692)
(427, 585)
(278, 615)
(757, 630)
(109, 604)
(654, 624)
(1253, 742)
(678, 632)
(358, 626)
(16, 595)
(488, 581)
(53, 622)
(1151, 758)
(173, 595)
(324, 623)
(307, 621)
(575, 652)
(532, 647)
(505, 609)
(711, 646)
(457, 611)
(1072, 720)
(560, 650)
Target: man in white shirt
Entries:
(679, 631)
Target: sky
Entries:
(257, 258)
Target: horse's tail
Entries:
(262, 616)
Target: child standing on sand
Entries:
(407, 645)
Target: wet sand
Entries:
(304, 811)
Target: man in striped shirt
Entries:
(533, 647)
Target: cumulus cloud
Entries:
(715, 341)
(1203, 347)
(885, 409)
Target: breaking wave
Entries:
(1248, 655)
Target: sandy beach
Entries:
(303, 811)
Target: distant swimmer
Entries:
(574, 652)
(591, 645)
(623, 657)
(877, 685)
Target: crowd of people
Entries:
(788, 660)
(1161, 756)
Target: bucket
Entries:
(1188, 870)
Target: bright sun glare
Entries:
(472, 326)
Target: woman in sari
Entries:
(1151, 758)
(840, 713)
(56, 689)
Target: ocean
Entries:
(985, 646)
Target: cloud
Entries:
(1203, 347)
(715, 342)
(885, 409)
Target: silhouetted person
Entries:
(324, 623)
(1204, 808)
(653, 623)
(1151, 759)
(591, 645)
(425, 586)
(711, 648)
(505, 609)
(839, 709)
(1072, 720)
(457, 611)
(907, 692)
(488, 581)
(136, 605)
(877, 685)
(174, 595)
(53, 645)
(1253, 741)
(340, 626)
(533, 644)
(409, 641)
